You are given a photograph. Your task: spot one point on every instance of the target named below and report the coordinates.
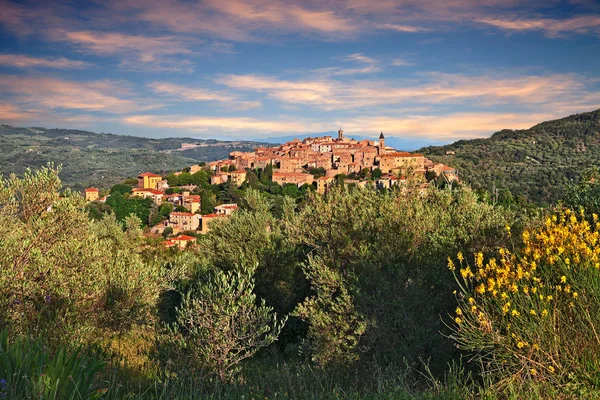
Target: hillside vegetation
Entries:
(536, 164)
(90, 158)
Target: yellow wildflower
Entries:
(460, 256)
(551, 368)
(563, 279)
(458, 320)
(532, 312)
(544, 313)
(450, 264)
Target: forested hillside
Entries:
(535, 164)
(90, 158)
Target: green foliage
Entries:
(335, 325)
(64, 275)
(391, 253)
(376, 173)
(223, 324)
(28, 370)
(532, 316)
(121, 188)
(537, 163)
(124, 206)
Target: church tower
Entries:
(340, 134)
(381, 143)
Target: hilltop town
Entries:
(312, 164)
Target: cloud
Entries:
(22, 61)
(48, 93)
(200, 94)
(589, 24)
(214, 123)
(157, 53)
(445, 127)
(403, 28)
(431, 88)
(10, 113)
(400, 62)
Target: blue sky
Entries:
(414, 69)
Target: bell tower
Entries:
(381, 143)
(340, 134)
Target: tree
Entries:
(232, 168)
(121, 188)
(376, 173)
(167, 231)
(222, 324)
(65, 275)
(291, 190)
(335, 326)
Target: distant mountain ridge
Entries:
(536, 163)
(90, 158)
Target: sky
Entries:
(252, 69)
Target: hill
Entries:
(535, 163)
(90, 158)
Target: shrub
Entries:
(223, 325)
(533, 315)
(28, 370)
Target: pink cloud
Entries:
(22, 61)
(201, 94)
(551, 27)
(10, 113)
(48, 93)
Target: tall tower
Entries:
(340, 134)
(381, 143)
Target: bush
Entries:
(28, 370)
(223, 325)
(533, 315)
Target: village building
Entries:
(237, 177)
(226, 209)
(148, 180)
(219, 178)
(91, 194)
(183, 241)
(184, 221)
(297, 179)
(207, 220)
(156, 195)
(323, 184)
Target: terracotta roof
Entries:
(194, 198)
(226, 206)
(401, 154)
(238, 172)
(447, 168)
(291, 174)
(182, 214)
(92, 189)
(183, 237)
(149, 174)
(169, 243)
(153, 191)
(213, 216)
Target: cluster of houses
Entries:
(179, 221)
(341, 155)
(290, 162)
